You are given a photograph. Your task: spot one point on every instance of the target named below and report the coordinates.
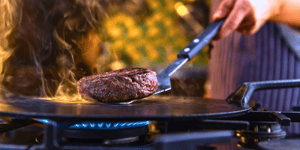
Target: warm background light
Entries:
(151, 38)
(181, 9)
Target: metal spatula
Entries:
(194, 47)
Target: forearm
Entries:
(289, 13)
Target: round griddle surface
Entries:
(155, 107)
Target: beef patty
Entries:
(120, 85)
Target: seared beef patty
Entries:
(119, 85)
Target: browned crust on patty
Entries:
(120, 85)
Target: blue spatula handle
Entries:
(201, 40)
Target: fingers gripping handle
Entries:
(201, 40)
(243, 94)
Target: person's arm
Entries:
(248, 16)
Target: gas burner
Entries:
(127, 140)
(260, 131)
(103, 132)
(106, 130)
(109, 125)
(121, 140)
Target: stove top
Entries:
(156, 122)
(253, 130)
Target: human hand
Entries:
(245, 16)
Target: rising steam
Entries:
(41, 40)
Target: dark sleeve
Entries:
(263, 56)
(292, 37)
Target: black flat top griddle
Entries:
(155, 107)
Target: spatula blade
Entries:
(164, 84)
(164, 81)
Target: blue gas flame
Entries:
(109, 125)
(45, 121)
(104, 125)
